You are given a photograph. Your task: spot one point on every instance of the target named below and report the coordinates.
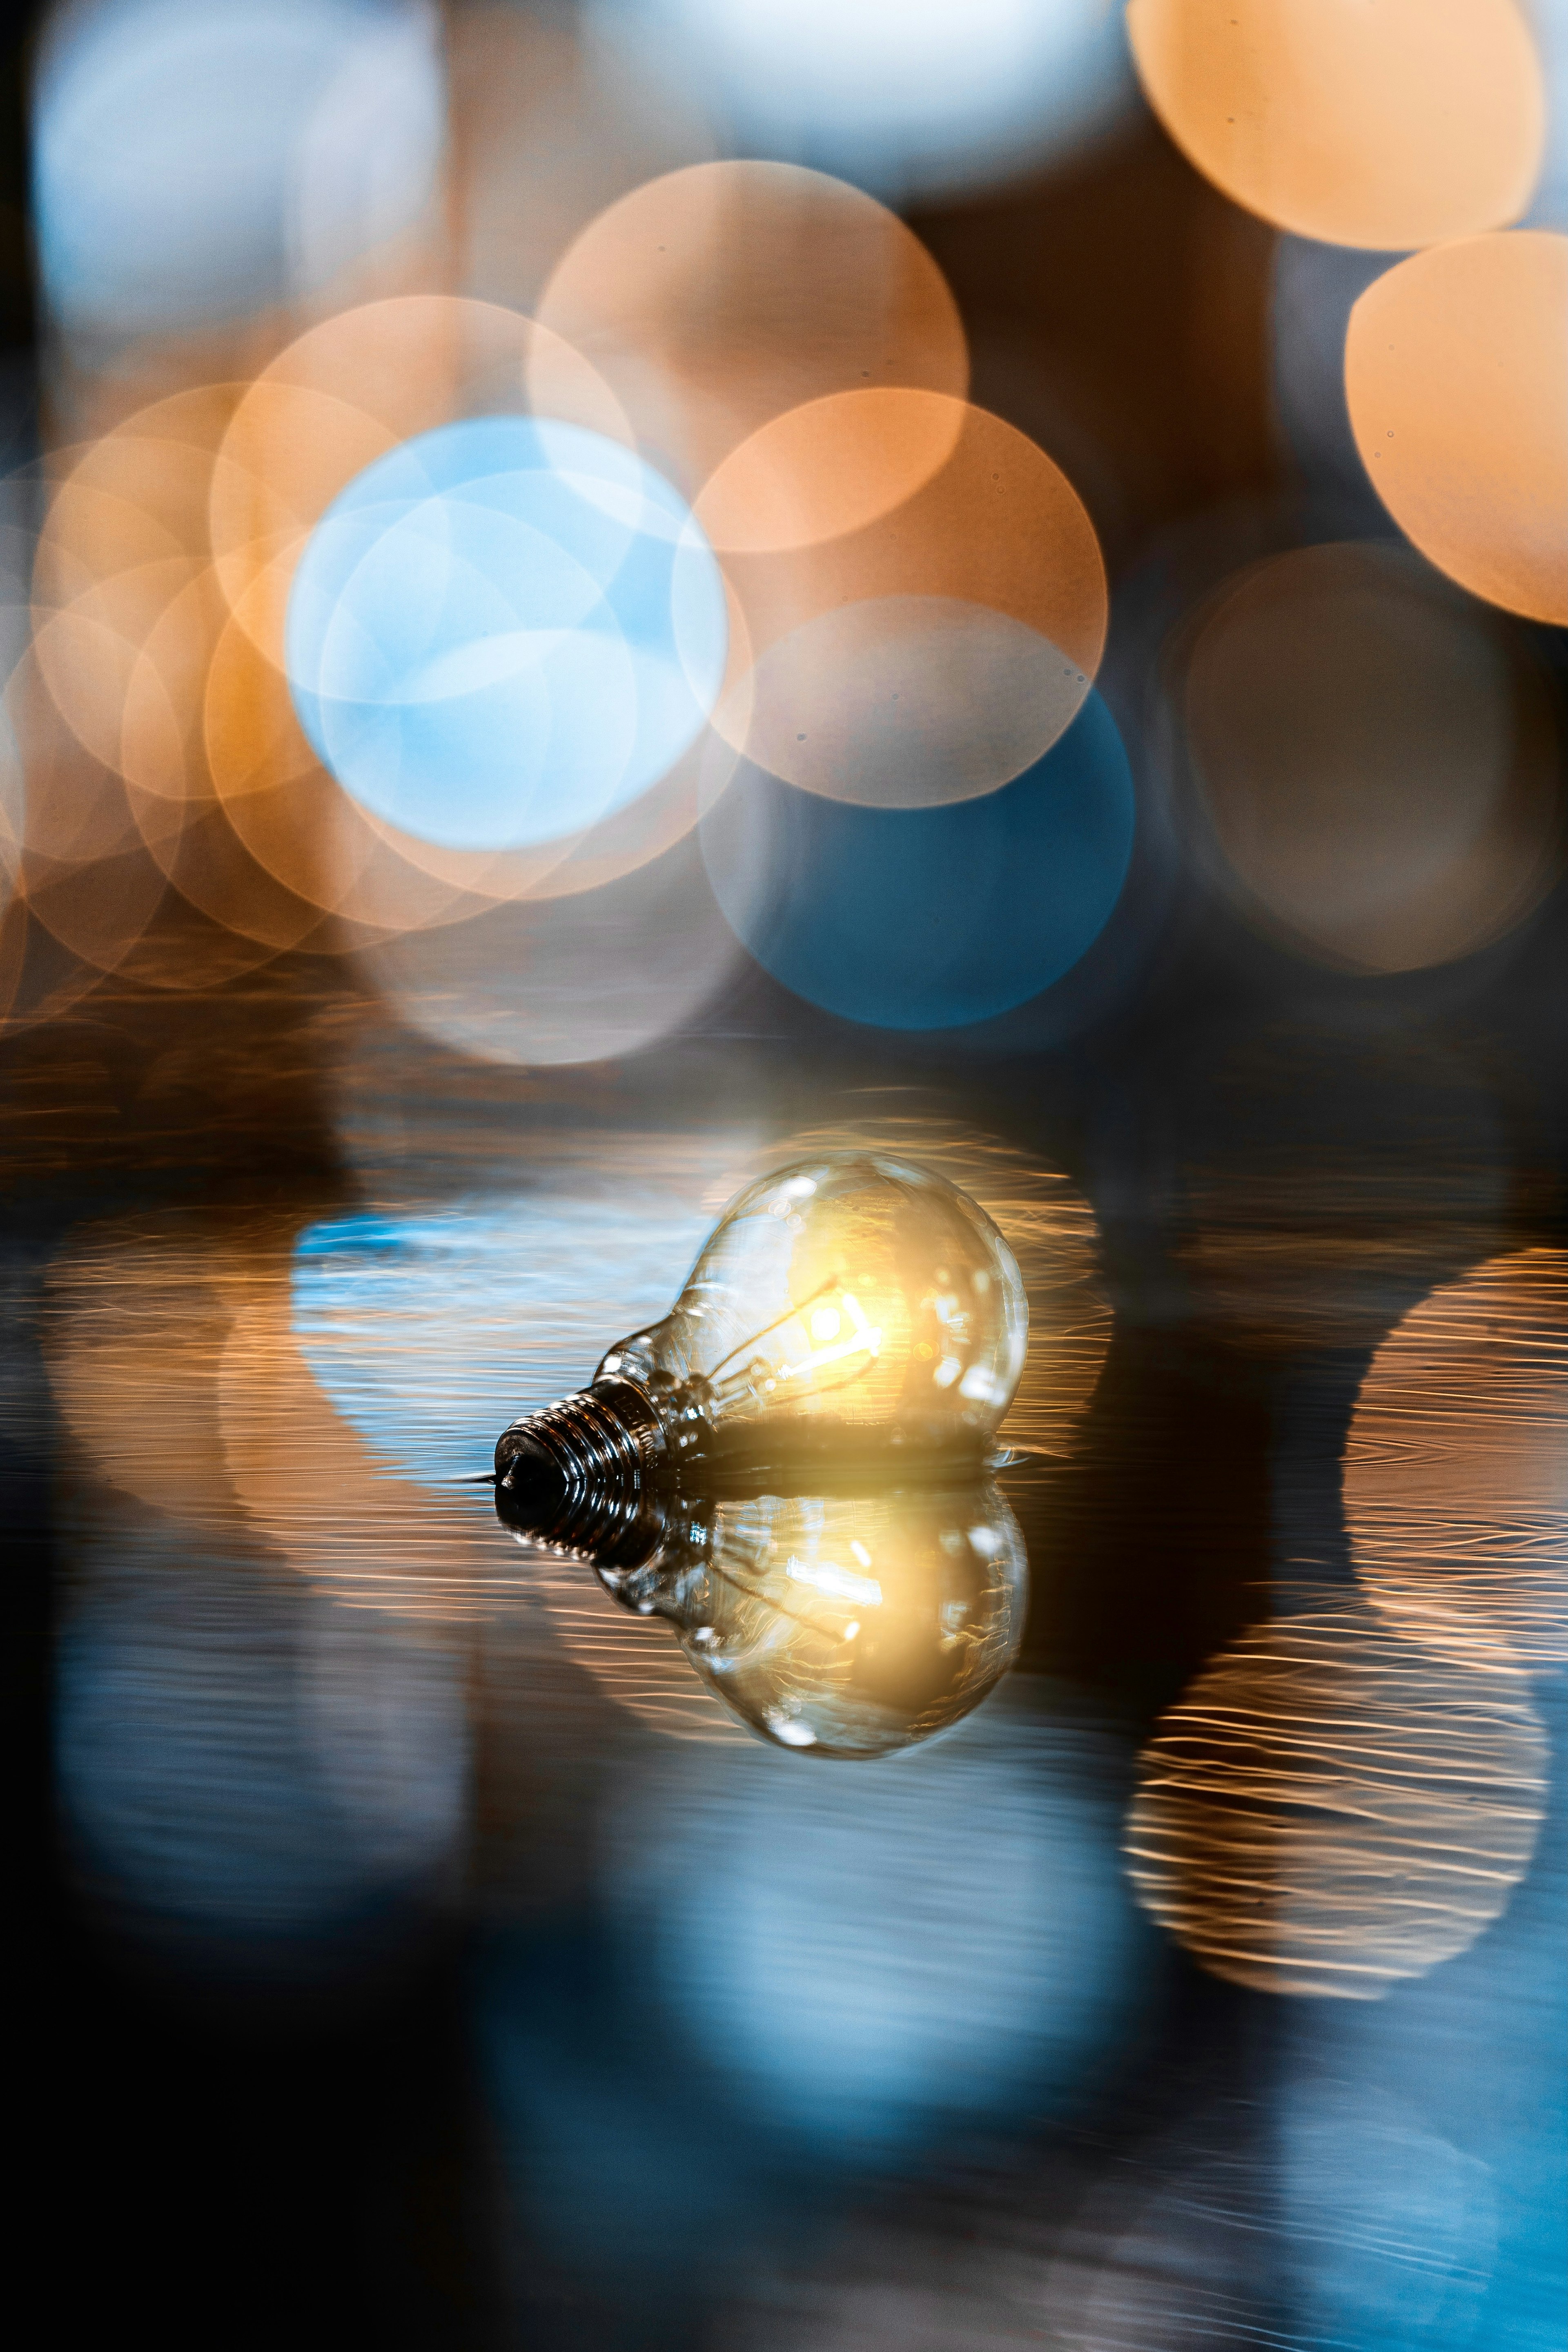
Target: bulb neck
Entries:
(582, 1474)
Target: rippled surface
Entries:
(456, 1877)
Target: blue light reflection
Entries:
(429, 1331)
(877, 1951)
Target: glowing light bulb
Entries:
(847, 1311)
(835, 1624)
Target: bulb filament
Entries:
(865, 1339)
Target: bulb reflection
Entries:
(848, 1624)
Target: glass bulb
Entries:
(841, 1625)
(846, 1309)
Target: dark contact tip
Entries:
(532, 1478)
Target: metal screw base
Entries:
(582, 1474)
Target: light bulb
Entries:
(848, 1310)
(840, 1625)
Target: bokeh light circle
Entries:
(874, 1952)
(930, 918)
(1455, 1468)
(702, 299)
(1326, 1811)
(194, 164)
(1378, 760)
(922, 590)
(1453, 368)
(906, 702)
(1389, 126)
(504, 631)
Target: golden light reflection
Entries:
(339, 1512)
(173, 1361)
(346, 391)
(1454, 367)
(139, 1311)
(1388, 127)
(852, 1625)
(1456, 1468)
(1380, 763)
(1328, 1810)
(717, 298)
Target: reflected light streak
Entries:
(1455, 1468)
(1327, 1810)
(780, 1613)
(255, 1785)
(174, 1363)
(1328, 2214)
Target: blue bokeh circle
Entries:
(504, 631)
(929, 919)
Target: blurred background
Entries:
(592, 599)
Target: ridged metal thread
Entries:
(606, 1441)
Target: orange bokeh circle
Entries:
(1454, 367)
(1384, 126)
(1455, 1468)
(1378, 760)
(719, 297)
(906, 649)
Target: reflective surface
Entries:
(851, 1624)
(812, 1932)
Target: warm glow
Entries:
(1379, 762)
